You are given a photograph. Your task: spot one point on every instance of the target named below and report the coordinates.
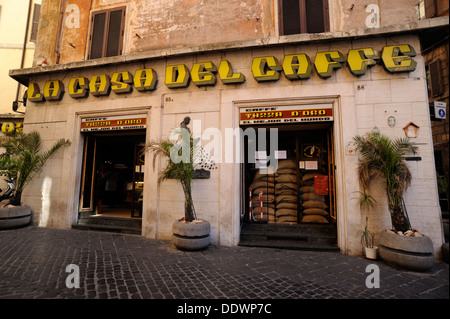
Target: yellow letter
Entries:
(398, 58)
(53, 90)
(177, 76)
(226, 74)
(327, 61)
(33, 93)
(120, 82)
(359, 59)
(145, 80)
(99, 85)
(19, 127)
(203, 73)
(266, 69)
(297, 66)
(78, 87)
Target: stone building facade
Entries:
(229, 66)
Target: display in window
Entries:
(313, 197)
(301, 189)
(262, 191)
(286, 192)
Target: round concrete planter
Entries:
(15, 216)
(191, 236)
(413, 253)
(444, 250)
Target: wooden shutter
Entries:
(303, 16)
(35, 22)
(435, 78)
(314, 16)
(107, 30)
(115, 33)
(97, 35)
(430, 8)
(290, 17)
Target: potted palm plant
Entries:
(365, 202)
(21, 160)
(383, 157)
(182, 155)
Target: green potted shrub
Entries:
(21, 160)
(383, 157)
(183, 156)
(365, 202)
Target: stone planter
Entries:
(15, 216)
(413, 253)
(191, 236)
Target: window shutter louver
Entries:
(107, 32)
(435, 78)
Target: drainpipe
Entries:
(25, 40)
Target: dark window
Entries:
(106, 35)
(435, 84)
(430, 8)
(35, 22)
(303, 16)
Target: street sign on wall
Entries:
(440, 110)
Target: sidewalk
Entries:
(33, 265)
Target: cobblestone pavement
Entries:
(33, 263)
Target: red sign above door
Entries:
(110, 123)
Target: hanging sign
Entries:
(321, 185)
(286, 114)
(110, 123)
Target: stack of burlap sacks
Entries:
(286, 192)
(280, 200)
(315, 209)
(264, 183)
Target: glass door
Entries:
(112, 181)
(88, 174)
(137, 190)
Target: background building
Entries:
(436, 55)
(113, 75)
(18, 32)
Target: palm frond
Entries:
(22, 158)
(183, 168)
(381, 156)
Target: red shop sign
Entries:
(321, 185)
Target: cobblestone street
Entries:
(33, 265)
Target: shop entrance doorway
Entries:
(301, 190)
(293, 206)
(112, 177)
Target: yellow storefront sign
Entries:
(396, 58)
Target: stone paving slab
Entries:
(33, 263)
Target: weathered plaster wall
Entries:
(151, 25)
(154, 25)
(172, 23)
(355, 14)
(75, 32)
(47, 37)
